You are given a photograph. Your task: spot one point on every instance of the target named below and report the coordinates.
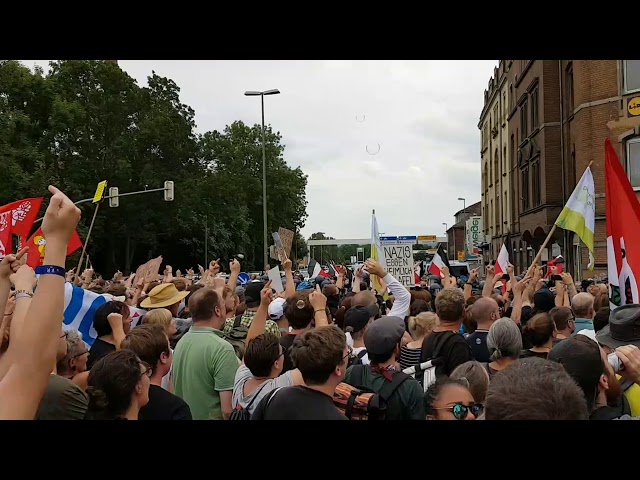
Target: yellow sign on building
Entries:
(633, 106)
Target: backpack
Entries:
(357, 359)
(237, 336)
(426, 372)
(361, 403)
(241, 413)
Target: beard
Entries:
(614, 391)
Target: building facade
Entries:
(496, 173)
(455, 233)
(559, 115)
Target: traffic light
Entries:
(168, 191)
(114, 200)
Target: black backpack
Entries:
(241, 413)
(357, 359)
(436, 359)
(237, 336)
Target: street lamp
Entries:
(252, 93)
(446, 231)
(464, 219)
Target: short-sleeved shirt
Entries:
(62, 400)
(204, 364)
(477, 341)
(297, 403)
(247, 319)
(243, 374)
(164, 405)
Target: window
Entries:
(486, 176)
(524, 117)
(498, 214)
(535, 183)
(496, 168)
(496, 114)
(511, 147)
(505, 166)
(569, 92)
(631, 70)
(534, 109)
(486, 135)
(511, 95)
(504, 104)
(504, 206)
(491, 215)
(633, 161)
(525, 189)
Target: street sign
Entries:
(388, 240)
(424, 239)
(100, 191)
(408, 240)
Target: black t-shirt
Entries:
(99, 349)
(477, 341)
(453, 349)
(297, 403)
(164, 405)
(286, 341)
(529, 353)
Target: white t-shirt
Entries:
(365, 358)
(243, 374)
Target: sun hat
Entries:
(163, 295)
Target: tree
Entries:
(87, 121)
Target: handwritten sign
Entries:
(399, 263)
(286, 236)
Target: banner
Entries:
(399, 263)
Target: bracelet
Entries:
(51, 270)
(23, 294)
(316, 311)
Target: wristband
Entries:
(23, 294)
(323, 311)
(51, 270)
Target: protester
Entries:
(449, 399)
(564, 320)
(582, 306)
(356, 323)
(163, 318)
(420, 327)
(111, 322)
(477, 377)
(540, 332)
(484, 312)
(504, 343)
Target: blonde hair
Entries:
(159, 316)
(422, 324)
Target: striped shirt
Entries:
(409, 357)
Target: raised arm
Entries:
(402, 296)
(234, 268)
(35, 348)
(290, 287)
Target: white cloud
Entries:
(423, 114)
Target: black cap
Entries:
(623, 328)
(252, 292)
(357, 318)
(384, 335)
(544, 300)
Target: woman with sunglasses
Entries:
(449, 399)
(75, 361)
(118, 387)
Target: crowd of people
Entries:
(534, 346)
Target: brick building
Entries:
(494, 132)
(560, 113)
(455, 233)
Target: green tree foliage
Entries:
(87, 121)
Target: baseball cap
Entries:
(357, 318)
(544, 300)
(252, 292)
(276, 309)
(383, 335)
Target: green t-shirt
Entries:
(204, 363)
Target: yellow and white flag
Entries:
(377, 253)
(579, 214)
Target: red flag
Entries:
(37, 242)
(23, 215)
(5, 233)
(623, 225)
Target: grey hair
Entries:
(504, 340)
(74, 348)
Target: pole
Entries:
(86, 241)
(264, 191)
(464, 215)
(546, 241)
(206, 241)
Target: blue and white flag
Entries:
(80, 306)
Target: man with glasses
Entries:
(63, 399)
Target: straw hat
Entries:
(163, 295)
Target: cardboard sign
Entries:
(286, 236)
(149, 270)
(399, 263)
(282, 254)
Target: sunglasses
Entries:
(461, 412)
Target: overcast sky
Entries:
(422, 114)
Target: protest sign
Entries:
(399, 263)
(286, 236)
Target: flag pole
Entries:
(86, 241)
(553, 229)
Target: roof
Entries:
(477, 207)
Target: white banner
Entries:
(399, 263)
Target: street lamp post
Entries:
(252, 93)
(446, 232)
(464, 219)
